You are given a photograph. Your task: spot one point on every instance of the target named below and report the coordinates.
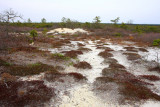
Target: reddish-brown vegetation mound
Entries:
(52, 76)
(105, 54)
(150, 77)
(84, 49)
(157, 69)
(73, 53)
(116, 66)
(133, 49)
(142, 49)
(78, 76)
(132, 56)
(22, 93)
(83, 65)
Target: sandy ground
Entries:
(81, 94)
(67, 31)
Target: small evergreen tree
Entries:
(33, 34)
(29, 20)
(43, 20)
(97, 21)
(115, 21)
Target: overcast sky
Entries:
(140, 11)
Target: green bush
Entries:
(60, 56)
(156, 42)
(123, 25)
(117, 34)
(44, 31)
(33, 34)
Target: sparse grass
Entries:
(59, 56)
(71, 64)
(83, 65)
(4, 63)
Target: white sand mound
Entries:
(67, 31)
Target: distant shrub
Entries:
(44, 31)
(118, 34)
(123, 25)
(33, 34)
(138, 29)
(152, 29)
(156, 42)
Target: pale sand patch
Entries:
(67, 30)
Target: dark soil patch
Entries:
(73, 53)
(132, 56)
(22, 93)
(83, 65)
(59, 57)
(150, 77)
(105, 54)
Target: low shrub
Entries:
(24, 93)
(105, 54)
(73, 53)
(156, 42)
(59, 56)
(150, 77)
(83, 65)
(32, 69)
